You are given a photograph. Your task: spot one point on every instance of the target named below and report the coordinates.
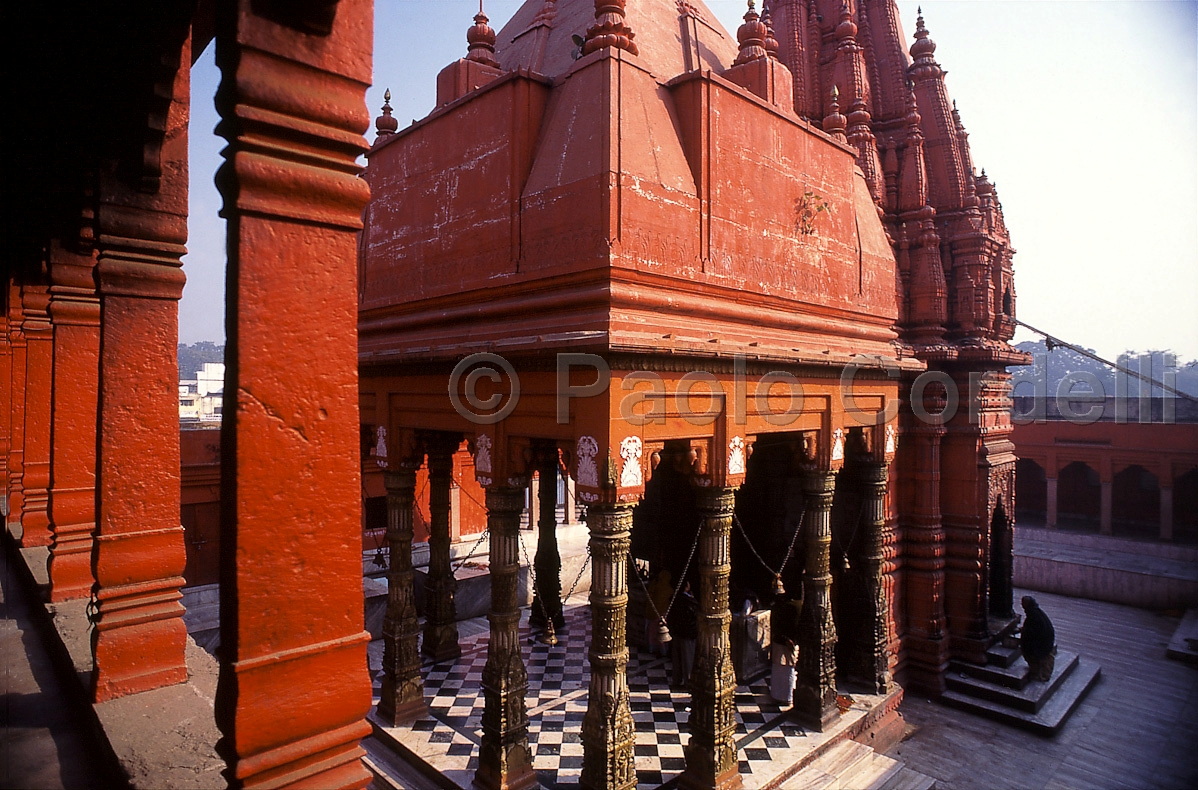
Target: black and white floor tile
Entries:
(556, 702)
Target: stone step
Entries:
(1013, 676)
(849, 765)
(879, 770)
(907, 779)
(836, 768)
(1028, 699)
(396, 768)
(1002, 656)
(1184, 644)
(1049, 718)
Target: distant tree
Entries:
(192, 357)
(1060, 362)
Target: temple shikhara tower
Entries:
(747, 297)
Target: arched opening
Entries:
(1006, 302)
(1031, 493)
(1136, 504)
(1001, 546)
(1185, 507)
(1079, 498)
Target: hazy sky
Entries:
(1083, 112)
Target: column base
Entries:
(517, 772)
(440, 643)
(927, 663)
(139, 656)
(399, 713)
(814, 714)
(35, 524)
(70, 565)
(332, 758)
(699, 779)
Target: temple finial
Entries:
(610, 29)
(481, 38)
(751, 35)
(923, 46)
(771, 43)
(834, 123)
(847, 28)
(385, 124)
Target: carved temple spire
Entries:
(834, 122)
(610, 29)
(385, 124)
(924, 48)
(481, 38)
(948, 176)
(752, 36)
(971, 200)
(913, 178)
(771, 43)
(860, 136)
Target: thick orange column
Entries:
(294, 687)
(14, 489)
(5, 392)
(139, 555)
(39, 365)
(75, 314)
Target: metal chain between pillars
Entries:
(473, 549)
(585, 564)
(779, 587)
(550, 632)
(663, 630)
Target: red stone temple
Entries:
(752, 288)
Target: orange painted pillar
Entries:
(5, 393)
(75, 314)
(14, 490)
(39, 365)
(294, 687)
(139, 555)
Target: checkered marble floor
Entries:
(556, 702)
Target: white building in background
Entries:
(201, 398)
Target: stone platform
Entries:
(772, 750)
(1147, 574)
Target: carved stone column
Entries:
(815, 691)
(75, 312)
(139, 555)
(548, 602)
(6, 399)
(16, 434)
(505, 762)
(711, 754)
(607, 730)
(39, 367)
(293, 110)
(440, 622)
(402, 697)
(924, 557)
(868, 555)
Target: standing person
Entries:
(684, 628)
(784, 639)
(1038, 640)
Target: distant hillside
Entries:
(192, 357)
(1063, 361)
